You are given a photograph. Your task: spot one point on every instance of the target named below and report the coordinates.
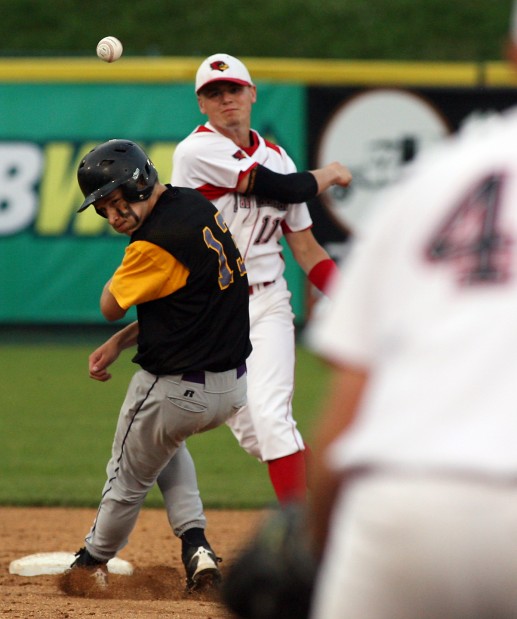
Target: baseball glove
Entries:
(273, 576)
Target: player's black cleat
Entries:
(201, 566)
(98, 569)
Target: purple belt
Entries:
(198, 376)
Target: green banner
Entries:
(54, 262)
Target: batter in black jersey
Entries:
(187, 280)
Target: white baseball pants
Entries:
(421, 547)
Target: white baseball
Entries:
(109, 49)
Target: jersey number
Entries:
(268, 228)
(470, 239)
(225, 272)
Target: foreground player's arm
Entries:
(312, 258)
(295, 187)
(346, 388)
(107, 353)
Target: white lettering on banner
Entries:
(20, 169)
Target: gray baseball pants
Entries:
(158, 414)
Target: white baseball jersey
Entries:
(213, 164)
(427, 302)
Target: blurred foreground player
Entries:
(414, 508)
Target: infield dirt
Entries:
(156, 588)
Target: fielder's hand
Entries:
(334, 173)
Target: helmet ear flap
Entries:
(139, 189)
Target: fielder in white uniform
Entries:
(415, 501)
(254, 184)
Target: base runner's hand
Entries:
(101, 359)
(105, 355)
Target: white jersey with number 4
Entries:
(427, 302)
(213, 164)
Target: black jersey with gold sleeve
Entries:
(187, 279)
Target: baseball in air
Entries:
(109, 49)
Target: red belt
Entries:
(257, 287)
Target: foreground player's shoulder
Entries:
(481, 142)
(442, 177)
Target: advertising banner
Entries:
(374, 117)
(377, 132)
(55, 262)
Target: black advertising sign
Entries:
(376, 132)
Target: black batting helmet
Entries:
(116, 163)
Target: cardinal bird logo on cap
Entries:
(219, 65)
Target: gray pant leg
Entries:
(178, 485)
(115, 520)
(125, 489)
(178, 480)
(155, 419)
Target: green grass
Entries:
(56, 428)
